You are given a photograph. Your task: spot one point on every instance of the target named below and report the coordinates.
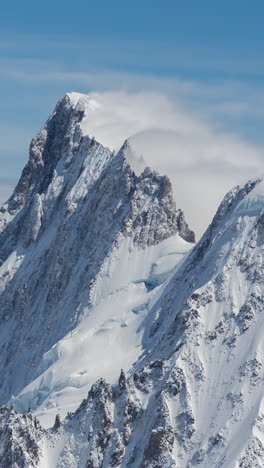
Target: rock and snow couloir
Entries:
(92, 264)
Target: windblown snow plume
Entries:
(122, 343)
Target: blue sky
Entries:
(207, 56)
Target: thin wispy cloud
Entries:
(132, 53)
(232, 98)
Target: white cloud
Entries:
(202, 161)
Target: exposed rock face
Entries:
(183, 228)
(21, 437)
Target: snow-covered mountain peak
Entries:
(253, 203)
(75, 97)
(83, 102)
(103, 298)
(84, 243)
(137, 162)
(241, 196)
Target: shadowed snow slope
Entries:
(85, 246)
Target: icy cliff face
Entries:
(78, 217)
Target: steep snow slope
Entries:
(195, 395)
(108, 338)
(78, 218)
